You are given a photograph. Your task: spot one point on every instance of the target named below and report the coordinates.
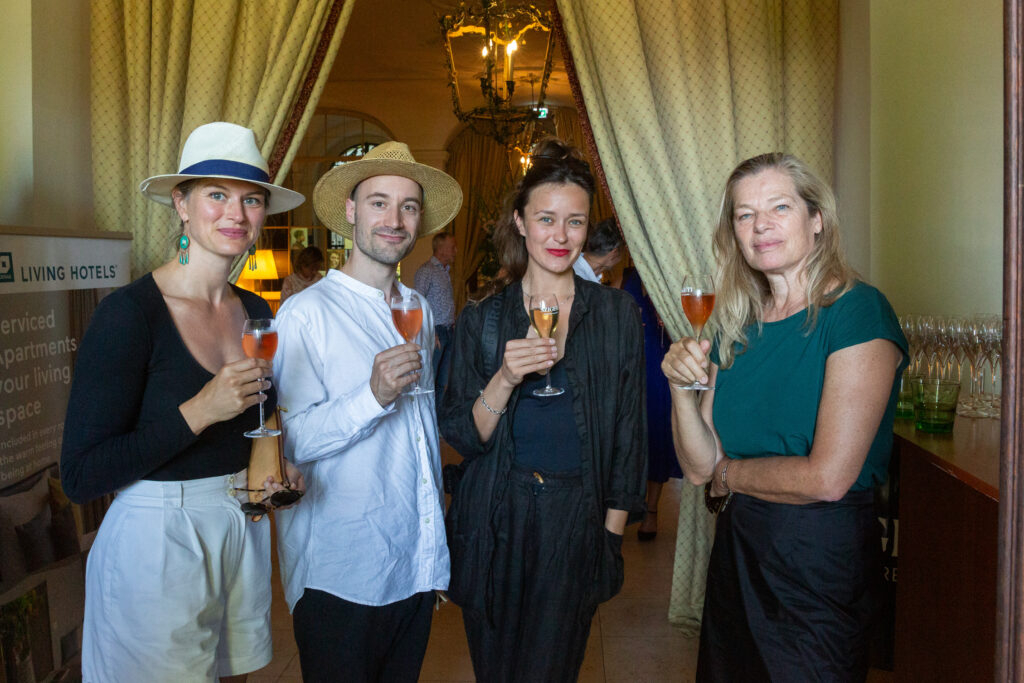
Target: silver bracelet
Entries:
(725, 482)
(489, 409)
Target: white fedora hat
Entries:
(222, 150)
(442, 196)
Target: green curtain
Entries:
(481, 166)
(162, 67)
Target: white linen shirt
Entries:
(582, 268)
(370, 528)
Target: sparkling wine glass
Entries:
(993, 338)
(544, 318)
(697, 296)
(407, 314)
(259, 340)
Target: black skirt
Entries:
(792, 591)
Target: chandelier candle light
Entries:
(492, 30)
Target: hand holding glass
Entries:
(697, 296)
(259, 340)
(544, 318)
(407, 314)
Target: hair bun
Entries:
(554, 149)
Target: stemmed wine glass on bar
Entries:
(697, 296)
(407, 315)
(259, 340)
(544, 318)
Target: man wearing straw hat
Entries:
(361, 560)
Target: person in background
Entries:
(433, 280)
(177, 580)
(536, 521)
(662, 463)
(308, 264)
(603, 251)
(793, 436)
(363, 555)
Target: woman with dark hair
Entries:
(177, 585)
(792, 437)
(536, 522)
(308, 264)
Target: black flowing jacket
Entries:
(604, 361)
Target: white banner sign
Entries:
(49, 287)
(36, 263)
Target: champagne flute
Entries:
(407, 314)
(544, 318)
(697, 296)
(259, 340)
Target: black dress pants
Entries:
(344, 641)
(546, 549)
(792, 591)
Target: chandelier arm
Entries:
(549, 59)
(499, 118)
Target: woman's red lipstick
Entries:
(558, 252)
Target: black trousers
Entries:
(341, 640)
(792, 591)
(545, 555)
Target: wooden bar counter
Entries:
(948, 552)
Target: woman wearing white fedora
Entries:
(177, 581)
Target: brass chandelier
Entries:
(489, 35)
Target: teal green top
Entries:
(767, 402)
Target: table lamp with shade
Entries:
(261, 267)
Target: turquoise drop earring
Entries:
(183, 250)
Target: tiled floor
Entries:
(631, 640)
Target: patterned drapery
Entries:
(481, 166)
(677, 92)
(162, 67)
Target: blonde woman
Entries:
(792, 438)
(178, 581)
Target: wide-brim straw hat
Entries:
(222, 150)
(442, 196)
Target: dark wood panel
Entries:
(970, 453)
(1010, 653)
(946, 595)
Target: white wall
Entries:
(936, 154)
(45, 158)
(62, 152)
(853, 133)
(16, 113)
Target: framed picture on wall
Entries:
(299, 239)
(335, 258)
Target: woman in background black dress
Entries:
(662, 463)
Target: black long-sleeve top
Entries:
(132, 373)
(604, 362)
